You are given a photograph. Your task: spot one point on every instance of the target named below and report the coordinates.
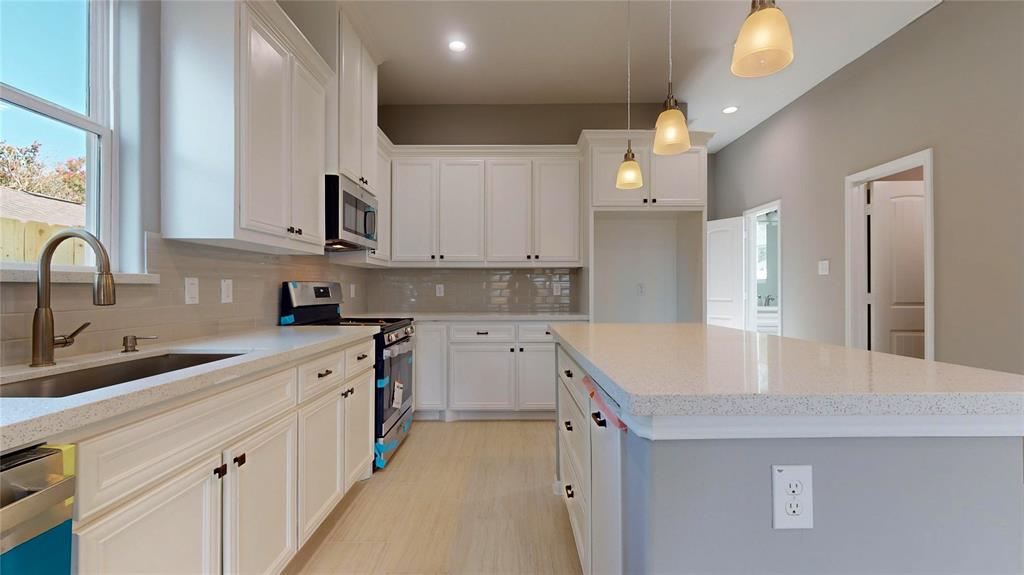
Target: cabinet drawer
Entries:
(578, 505)
(576, 434)
(116, 465)
(535, 332)
(572, 376)
(358, 359)
(318, 375)
(482, 332)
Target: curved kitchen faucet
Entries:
(43, 340)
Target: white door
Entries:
(307, 162)
(265, 130)
(605, 494)
(535, 376)
(679, 180)
(724, 287)
(413, 207)
(321, 460)
(174, 528)
(259, 500)
(481, 376)
(461, 211)
(431, 366)
(556, 210)
(509, 210)
(359, 435)
(350, 112)
(368, 126)
(897, 268)
(604, 165)
(383, 193)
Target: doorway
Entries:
(763, 268)
(889, 258)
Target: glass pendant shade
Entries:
(671, 135)
(764, 45)
(629, 176)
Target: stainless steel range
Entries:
(319, 303)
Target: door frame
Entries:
(750, 262)
(856, 252)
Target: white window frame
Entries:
(101, 206)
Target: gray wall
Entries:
(954, 81)
(537, 124)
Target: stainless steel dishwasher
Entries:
(35, 510)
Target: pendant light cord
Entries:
(629, 28)
(670, 42)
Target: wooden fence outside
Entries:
(21, 241)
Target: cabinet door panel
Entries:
(679, 180)
(174, 528)
(321, 460)
(461, 210)
(413, 206)
(259, 500)
(556, 210)
(359, 433)
(383, 193)
(481, 376)
(536, 377)
(368, 127)
(604, 165)
(509, 210)
(307, 193)
(606, 496)
(350, 103)
(265, 137)
(431, 366)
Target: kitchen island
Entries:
(669, 434)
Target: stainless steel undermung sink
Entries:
(72, 382)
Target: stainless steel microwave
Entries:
(351, 220)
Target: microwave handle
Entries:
(370, 223)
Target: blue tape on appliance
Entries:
(339, 310)
(294, 284)
(287, 319)
(379, 449)
(379, 461)
(383, 382)
(406, 425)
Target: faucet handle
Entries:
(129, 342)
(67, 340)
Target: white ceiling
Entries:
(534, 52)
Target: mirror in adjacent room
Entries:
(764, 269)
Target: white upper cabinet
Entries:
(556, 210)
(383, 193)
(413, 207)
(243, 105)
(461, 211)
(604, 165)
(680, 180)
(509, 210)
(357, 113)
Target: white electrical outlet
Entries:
(822, 267)
(556, 289)
(227, 294)
(792, 497)
(352, 291)
(439, 290)
(191, 290)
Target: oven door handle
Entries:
(397, 349)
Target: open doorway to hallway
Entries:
(763, 256)
(889, 287)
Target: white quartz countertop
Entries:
(654, 370)
(24, 421)
(476, 316)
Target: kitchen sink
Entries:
(73, 382)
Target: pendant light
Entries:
(628, 176)
(765, 44)
(671, 135)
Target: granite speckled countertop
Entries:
(27, 420)
(476, 316)
(654, 370)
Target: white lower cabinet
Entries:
(359, 413)
(321, 460)
(481, 376)
(259, 500)
(535, 376)
(175, 528)
(605, 494)
(431, 366)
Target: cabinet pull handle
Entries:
(442, 256)
(528, 256)
(324, 373)
(298, 231)
(512, 349)
(482, 332)
(654, 200)
(536, 256)
(600, 421)
(568, 373)
(569, 492)
(645, 200)
(221, 471)
(568, 425)
(520, 350)
(240, 460)
(291, 229)
(432, 256)
(548, 332)
(361, 357)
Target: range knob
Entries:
(408, 330)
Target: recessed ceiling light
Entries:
(457, 46)
(730, 110)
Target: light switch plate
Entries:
(439, 290)
(191, 290)
(792, 497)
(822, 267)
(227, 294)
(352, 291)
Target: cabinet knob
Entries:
(432, 256)
(569, 492)
(520, 350)
(528, 256)
(442, 256)
(221, 471)
(512, 350)
(645, 200)
(568, 425)
(568, 373)
(298, 231)
(536, 256)
(600, 421)
(654, 200)
(239, 460)
(291, 229)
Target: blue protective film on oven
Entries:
(383, 382)
(294, 284)
(406, 425)
(287, 319)
(339, 310)
(379, 449)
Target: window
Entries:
(55, 137)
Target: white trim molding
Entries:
(750, 261)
